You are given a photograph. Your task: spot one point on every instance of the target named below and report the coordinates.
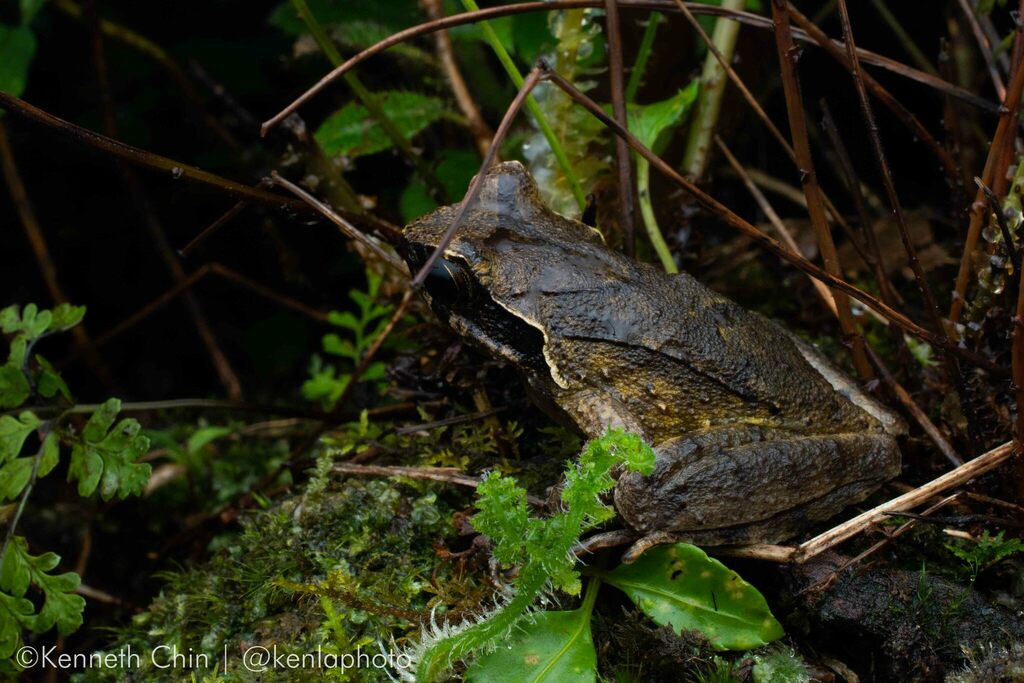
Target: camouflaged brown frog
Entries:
(757, 434)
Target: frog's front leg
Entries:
(744, 484)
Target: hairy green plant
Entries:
(102, 457)
(541, 547)
(677, 585)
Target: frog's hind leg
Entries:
(735, 486)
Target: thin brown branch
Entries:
(874, 255)
(479, 129)
(650, 5)
(189, 282)
(149, 48)
(984, 47)
(928, 298)
(889, 538)
(727, 216)
(842, 532)
(788, 53)
(47, 268)
(823, 292)
(622, 159)
(961, 475)
(1006, 129)
(346, 228)
(225, 373)
(173, 169)
(837, 51)
(448, 475)
(920, 417)
(214, 227)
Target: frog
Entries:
(757, 434)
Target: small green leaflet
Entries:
(547, 646)
(61, 608)
(352, 132)
(649, 121)
(15, 474)
(106, 457)
(13, 432)
(680, 585)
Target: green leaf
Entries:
(13, 433)
(649, 121)
(51, 454)
(61, 608)
(352, 132)
(14, 389)
(680, 585)
(14, 476)
(456, 168)
(550, 646)
(66, 316)
(50, 382)
(202, 437)
(32, 322)
(15, 614)
(344, 319)
(105, 456)
(17, 47)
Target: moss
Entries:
(358, 569)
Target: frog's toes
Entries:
(646, 543)
(607, 539)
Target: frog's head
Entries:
(508, 250)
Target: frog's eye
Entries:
(450, 282)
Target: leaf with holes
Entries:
(548, 646)
(681, 586)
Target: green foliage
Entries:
(779, 665)
(541, 546)
(987, 551)
(102, 456)
(327, 383)
(352, 132)
(577, 54)
(681, 586)
(718, 670)
(456, 169)
(545, 544)
(653, 124)
(677, 585)
(551, 646)
(20, 570)
(105, 455)
(922, 352)
(356, 570)
(17, 48)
